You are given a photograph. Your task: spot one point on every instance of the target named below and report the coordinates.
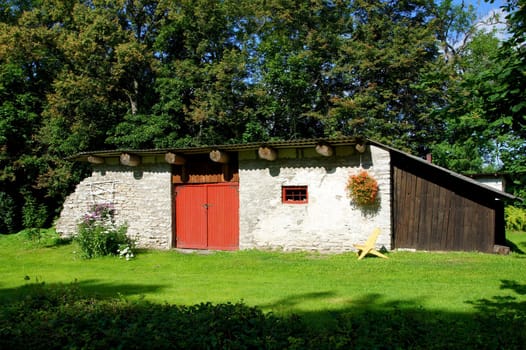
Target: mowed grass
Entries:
(309, 284)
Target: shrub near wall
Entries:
(99, 236)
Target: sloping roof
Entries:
(447, 173)
(300, 143)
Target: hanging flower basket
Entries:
(362, 188)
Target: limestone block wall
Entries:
(141, 197)
(329, 222)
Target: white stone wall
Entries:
(329, 222)
(141, 196)
(493, 182)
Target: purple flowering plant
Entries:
(98, 235)
(99, 212)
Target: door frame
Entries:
(234, 210)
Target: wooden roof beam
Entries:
(325, 149)
(130, 159)
(175, 159)
(95, 160)
(219, 156)
(360, 147)
(268, 153)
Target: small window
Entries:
(294, 194)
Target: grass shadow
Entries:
(87, 288)
(368, 322)
(509, 304)
(58, 242)
(516, 248)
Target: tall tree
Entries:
(87, 100)
(298, 46)
(386, 63)
(485, 113)
(469, 142)
(503, 91)
(200, 81)
(28, 64)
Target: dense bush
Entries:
(420, 329)
(34, 215)
(98, 235)
(515, 218)
(8, 220)
(61, 317)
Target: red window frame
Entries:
(294, 194)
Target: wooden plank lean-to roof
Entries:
(445, 173)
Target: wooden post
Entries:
(324, 149)
(172, 158)
(130, 159)
(219, 156)
(95, 160)
(360, 147)
(227, 172)
(267, 153)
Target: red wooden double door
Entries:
(207, 216)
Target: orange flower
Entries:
(362, 188)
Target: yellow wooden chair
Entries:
(368, 247)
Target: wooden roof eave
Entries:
(301, 143)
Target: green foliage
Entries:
(61, 316)
(8, 218)
(34, 214)
(163, 300)
(515, 218)
(78, 76)
(99, 236)
(502, 89)
(413, 329)
(469, 143)
(383, 64)
(31, 239)
(145, 131)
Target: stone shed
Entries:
(284, 195)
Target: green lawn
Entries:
(51, 298)
(308, 284)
